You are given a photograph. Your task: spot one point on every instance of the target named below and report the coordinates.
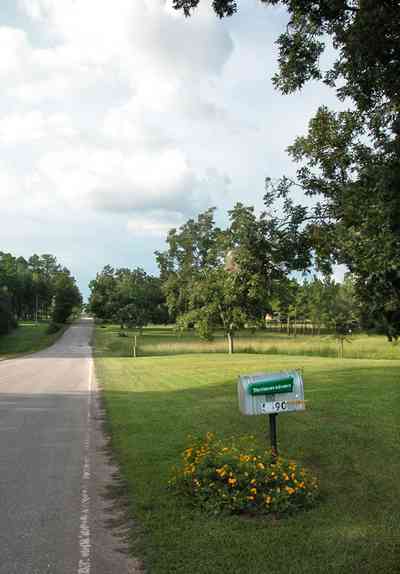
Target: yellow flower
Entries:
(260, 465)
(232, 481)
(253, 490)
(289, 490)
(268, 500)
(253, 481)
(221, 471)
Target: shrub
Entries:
(232, 477)
(53, 328)
(7, 320)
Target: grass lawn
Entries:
(29, 337)
(165, 341)
(349, 436)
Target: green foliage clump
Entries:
(53, 328)
(7, 320)
(233, 477)
(67, 298)
(129, 296)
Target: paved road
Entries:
(52, 470)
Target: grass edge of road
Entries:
(28, 338)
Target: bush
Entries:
(231, 477)
(7, 320)
(53, 328)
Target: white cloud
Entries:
(131, 157)
(15, 51)
(29, 127)
(145, 181)
(154, 224)
(132, 117)
(9, 186)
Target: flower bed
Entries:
(233, 477)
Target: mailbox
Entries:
(271, 393)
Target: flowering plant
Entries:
(231, 476)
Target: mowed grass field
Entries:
(349, 436)
(29, 337)
(166, 341)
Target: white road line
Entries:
(84, 532)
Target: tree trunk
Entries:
(230, 342)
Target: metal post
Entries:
(272, 434)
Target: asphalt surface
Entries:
(53, 470)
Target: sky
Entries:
(122, 119)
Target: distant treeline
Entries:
(38, 288)
(317, 306)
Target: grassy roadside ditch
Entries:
(348, 437)
(29, 337)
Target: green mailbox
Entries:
(271, 393)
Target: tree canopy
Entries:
(349, 160)
(130, 296)
(215, 278)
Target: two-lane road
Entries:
(51, 471)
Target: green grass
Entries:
(165, 341)
(348, 436)
(29, 337)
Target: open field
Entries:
(348, 436)
(29, 337)
(165, 341)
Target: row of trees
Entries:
(213, 278)
(240, 276)
(131, 297)
(319, 305)
(37, 288)
(243, 276)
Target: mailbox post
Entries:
(271, 393)
(272, 434)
